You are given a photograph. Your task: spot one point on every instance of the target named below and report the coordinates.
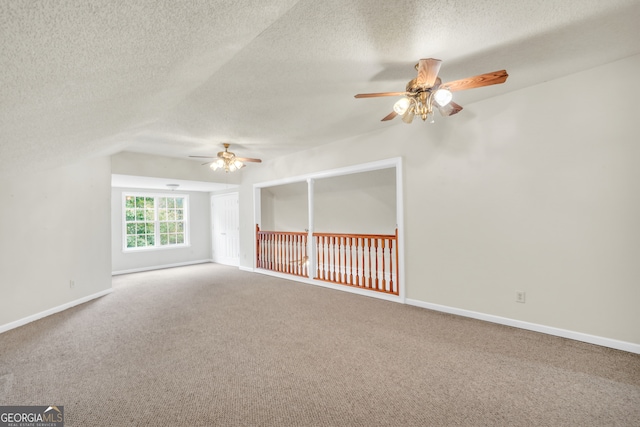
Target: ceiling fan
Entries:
(227, 160)
(426, 92)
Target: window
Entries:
(155, 221)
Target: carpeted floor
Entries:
(209, 345)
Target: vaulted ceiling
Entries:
(83, 78)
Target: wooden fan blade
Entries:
(246, 159)
(428, 72)
(203, 157)
(374, 95)
(450, 109)
(456, 108)
(208, 163)
(487, 79)
(392, 115)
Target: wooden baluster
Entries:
(319, 241)
(279, 240)
(272, 254)
(384, 278)
(265, 249)
(375, 254)
(332, 258)
(361, 280)
(285, 248)
(350, 260)
(366, 274)
(372, 283)
(289, 255)
(337, 259)
(262, 250)
(391, 288)
(303, 255)
(285, 261)
(267, 259)
(359, 265)
(305, 269)
(300, 255)
(344, 259)
(274, 251)
(327, 259)
(301, 263)
(296, 255)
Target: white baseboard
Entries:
(49, 312)
(578, 336)
(160, 267)
(249, 269)
(322, 283)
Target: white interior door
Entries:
(225, 226)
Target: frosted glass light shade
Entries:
(400, 107)
(442, 97)
(217, 164)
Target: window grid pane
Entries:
(148, 226)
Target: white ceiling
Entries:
(83, 78)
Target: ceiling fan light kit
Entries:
(427, 93)
(227, 160)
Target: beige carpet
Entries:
(209, 345)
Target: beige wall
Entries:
(284, 207)
(535, 191)
(362, 203)
(54, 228)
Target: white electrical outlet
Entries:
(520, 296)
(72, 284)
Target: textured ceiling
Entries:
(86, 78)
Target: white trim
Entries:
(394, 162)
(21, 322)
(400, 227)
(248, 269)
(564, 333)
(156, 222)
(351, 289)
(160, 267)
(257, 220)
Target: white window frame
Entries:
(156, 222)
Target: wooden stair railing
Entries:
(282, 251)
(366, 261)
